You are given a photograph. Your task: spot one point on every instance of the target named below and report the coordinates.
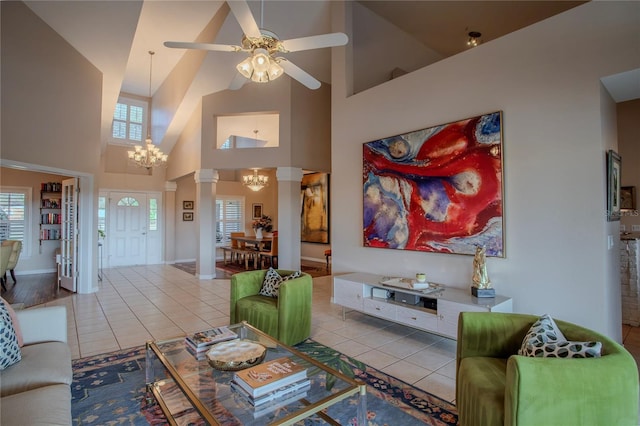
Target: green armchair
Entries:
(286, 318)
(495, 386)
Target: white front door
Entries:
(127, 229)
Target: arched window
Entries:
(128, 202)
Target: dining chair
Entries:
(5, 254)
(271, 254)
(237, 247)
(16, 248)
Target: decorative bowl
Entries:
(234, 355)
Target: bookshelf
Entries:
(50, 211)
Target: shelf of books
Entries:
(50, 211)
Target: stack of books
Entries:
(198, 343)
(272, 384)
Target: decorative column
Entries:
(170, 222)
(205, 209)
(289, 179)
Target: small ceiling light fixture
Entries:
(261, 66)
(255, 182)
(151, 156)
(474, 39)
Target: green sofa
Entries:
(495, 386)
(286, 318)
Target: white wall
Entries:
(545, 78)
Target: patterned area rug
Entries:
(110, 389)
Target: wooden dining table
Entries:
(258, 243)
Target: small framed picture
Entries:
(257, 210)
(187, 216)
(613, 185)
(627, 197)
(187, 205)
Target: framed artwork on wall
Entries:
(187, 216)
(314, 217)
(438, 189)
(627, 198)
(614, 164)
(187, 205)
(257, 210)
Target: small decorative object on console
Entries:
(481, 283)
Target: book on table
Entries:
(296, 389)
(270, 375)
(272, 406)
(201, 340)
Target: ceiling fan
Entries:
(262, 64)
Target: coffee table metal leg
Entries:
(362, 405)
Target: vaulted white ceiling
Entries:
(116, 36)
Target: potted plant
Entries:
(263, 224)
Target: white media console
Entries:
(435, 311)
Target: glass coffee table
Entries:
(189, 390)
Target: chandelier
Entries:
(150, 155)
(255, 182)
(474, 39)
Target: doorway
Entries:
(133, 235)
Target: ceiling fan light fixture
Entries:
(275, 70)
(260, 77)
(261, 60)
(245, 68)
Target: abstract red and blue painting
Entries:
(438, 189)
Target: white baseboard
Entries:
(313, 259)
(35, 272)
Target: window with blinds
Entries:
(14, 212)
(129, 121)
(229, 217)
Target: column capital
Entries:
(170, 186)
(206, 176)
(293, 174)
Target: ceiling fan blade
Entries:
(299, 74)
(202, 46)
(315, 42)
(238, 81)
(243, 15)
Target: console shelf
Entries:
(435, 311)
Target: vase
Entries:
(259, 233)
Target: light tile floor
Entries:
(135, 304)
